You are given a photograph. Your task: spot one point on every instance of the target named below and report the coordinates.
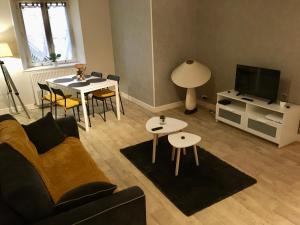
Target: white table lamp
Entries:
(5, 50)
(191, 74)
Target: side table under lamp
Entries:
(191, 74)
(6, 52)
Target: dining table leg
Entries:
(85, 115)
(117, 101)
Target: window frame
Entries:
(48, 32)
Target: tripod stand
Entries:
(11, 87)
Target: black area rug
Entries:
(195, 188)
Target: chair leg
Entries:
(93, 108)
(106, 104)
(42, 108)
(88, 112)
(78, 113)
(55, 108)
(74, 112)
(104, 110)
(112, 106)
(90, 124)
(121, 104)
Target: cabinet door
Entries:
(231, 116)
(262, 128)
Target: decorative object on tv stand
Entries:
(191, 74)
(80, 71)
(54, 57)
(283, 99)
(11, 87)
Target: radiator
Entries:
(40, 76)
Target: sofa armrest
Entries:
(69, 126)
(126, 207)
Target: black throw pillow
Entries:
(84, 194)
(23, 192)
(44, 133)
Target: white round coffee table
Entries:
(171, 125)
(182, 140)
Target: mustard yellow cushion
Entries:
(70, 102)
(58, 97)
(48, 97)
(12, 133)
(104, 93)
(68, 166)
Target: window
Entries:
(47, 30)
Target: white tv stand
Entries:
(254, 117)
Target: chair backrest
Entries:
(58, 92)
(96, 74)
(44, 87)
(113, 77)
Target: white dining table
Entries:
(71, 82)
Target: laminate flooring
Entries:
(274, 200)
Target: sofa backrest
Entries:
(22, 178)
(12, 133)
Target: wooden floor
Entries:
(274, 200)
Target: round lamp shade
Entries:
(5, 50)
(191, 74)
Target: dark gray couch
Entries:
(25, 200)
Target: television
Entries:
(256, 81)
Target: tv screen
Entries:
(257, 81)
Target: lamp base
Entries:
(188, 111)
(190, 101)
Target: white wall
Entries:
(92, 34)
(131, 29)
(77, 30)
(97, 38)
(14, 65)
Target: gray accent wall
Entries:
(252, 32)
(132, 44)
(174, 41)
(96, 35)
(222, 34)
(219, 34)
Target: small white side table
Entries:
(171, 125)
(182, 140)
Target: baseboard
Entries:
(11, 109)
(150, 107)
(207, 105)
(169, 106)
(161, 108)
(137, 101)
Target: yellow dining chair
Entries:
(104, 94)
(48, 96)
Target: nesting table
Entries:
(181, 141)
(171, 125)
